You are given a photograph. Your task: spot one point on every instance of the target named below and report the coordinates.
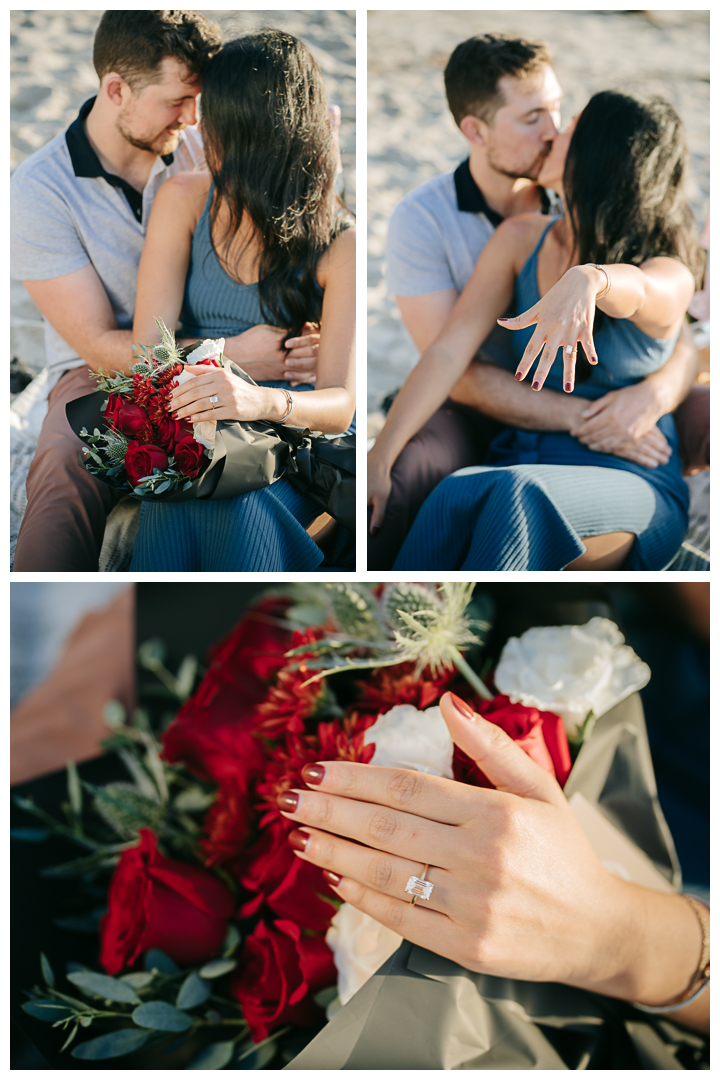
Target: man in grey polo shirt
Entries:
(79, 211)
(505, 99)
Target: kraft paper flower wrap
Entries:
(316, 673)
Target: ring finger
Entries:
(202, 405)
(387, 874)
(569, 358)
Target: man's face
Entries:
(153, 116)
(521, 134)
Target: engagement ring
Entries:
(568, 350)
(419, 887)
(213, 400)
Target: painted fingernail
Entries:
(568, 386)
(462, 707)
(298, 840)
(333, 879)
(504, 320)
(288, 800)
(536, 386)
(518, 375)
(593, 359)
(313, 774)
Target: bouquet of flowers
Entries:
(134, 444)
(214, 930)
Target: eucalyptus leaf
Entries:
(138, 979)
(155, 958)
(194, 798)
(90, 982)
(192, 992)
(161, 1016)
(324, 997)
(73, 965)
(215, 968)
(48, 973)
(69, 1039)
(74, 789)
(215, 1056)
(113, 1045)
(186, 675)
(257, 1058)
(49, 1011)
(30, 836)
(232, 940)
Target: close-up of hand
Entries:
(625, 417)
(263, 352)
(564, 317)
(379, 486)
(235, 398)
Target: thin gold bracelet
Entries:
(701, 978)
(606, 290)
(290, 403)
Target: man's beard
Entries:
(162, 143)
(529, 172)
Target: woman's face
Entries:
(551, 174)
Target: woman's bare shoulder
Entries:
(339, 256)
(519, 234)
(183, 196)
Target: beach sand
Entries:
(52, 75)
(412, 137)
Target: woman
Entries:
(619, 269)
(518, 891)
(258, 239)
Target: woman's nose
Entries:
(189, 112)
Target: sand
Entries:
(412, 137)
(52, 75)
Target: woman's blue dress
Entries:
(261, 531)
(540, 492)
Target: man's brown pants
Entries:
(67, 507)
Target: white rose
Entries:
(360, 945)
(404, 738)
(209, 350)
(409, 739)
(570, 670)
(204, 431)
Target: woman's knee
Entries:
(605, 552)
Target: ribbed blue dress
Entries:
(540, 492)
(262, 531)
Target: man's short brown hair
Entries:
(476, 66)
(135, 43)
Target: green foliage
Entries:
(215, 968)
(47, 971)
(103, 986)
(48, 1011)
(29, 836)
(355, 610)
(155, 959)
(126, 810)
(422, 601)
(116, 1044)
(161, 1016)
(139, 980)
(215, 1056)
(194, 991)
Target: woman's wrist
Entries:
(275, 405)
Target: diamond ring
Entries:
(419, 887)
(568, 350)
(213, 400)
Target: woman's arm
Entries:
(331, 405)
(518, 891)
(654, 296)
(487, 294)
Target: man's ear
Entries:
(475, 130)
(114, 87)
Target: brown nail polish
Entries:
(333, 879)
(568, 387)
(313, 774)
(462, 707)
(536, 386)
(288, 800)
(518, 375)
(298, 840)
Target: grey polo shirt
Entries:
(66, 212)
(435, 237)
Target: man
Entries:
(80, 207)
(505, 98)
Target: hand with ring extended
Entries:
(214, 393)
(564, 316)
(505, 881)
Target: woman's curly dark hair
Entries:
(624, 186)
(271, 153)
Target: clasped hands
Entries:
(519, 892)
(235, 399)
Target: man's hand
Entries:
(260, 351)
(623, 423)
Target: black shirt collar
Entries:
(471, 200)
(85, 161)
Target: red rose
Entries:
(540, 734)
(280, 970)
(141, 460)
(207, 361)
(189, 456)
(171, 431)
(159, 903)
(213, 732)
(127, 417)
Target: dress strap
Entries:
(541, 241)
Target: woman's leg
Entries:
(605, 552)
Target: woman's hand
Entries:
(518, 891)
(236, 399)
(564, 316)
(379, 487)
(261, 352)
